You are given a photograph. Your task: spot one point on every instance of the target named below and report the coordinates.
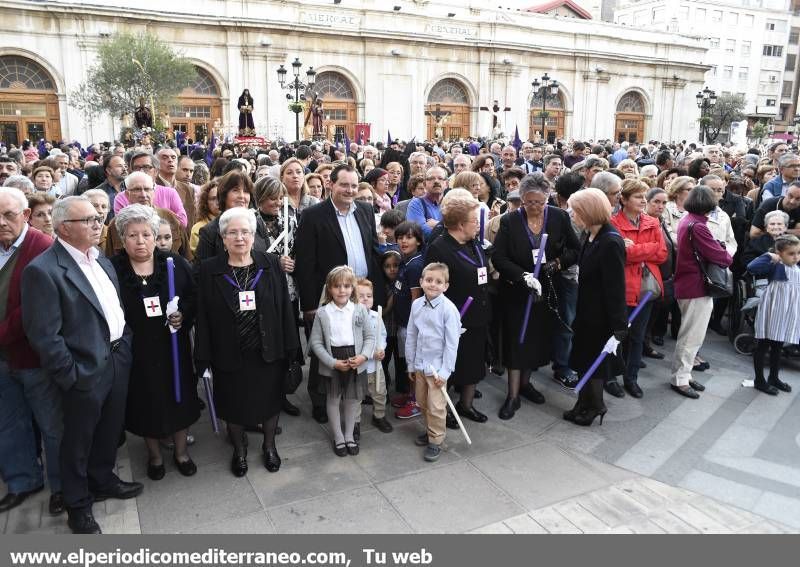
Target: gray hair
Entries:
(137, 175)
(535, 181)
(772, 214)
(606, 181)
(62, 207)
(136, 214)
(20, 182)
(225, 218)
(415, 154)
(97, 193)
(15, 194)
(137, 154)
(593, 161)
(784, 160)
(710, 177)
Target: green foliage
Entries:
(729, 108)
(759, 130)
(116, 82)
(296, 107)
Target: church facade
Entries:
(415, 68)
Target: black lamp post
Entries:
(706, 99)
(296, 85)
(547, 86)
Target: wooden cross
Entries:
(437, 114)
(495, 110)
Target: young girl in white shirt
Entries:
(342, 340)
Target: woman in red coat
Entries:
(645, 250)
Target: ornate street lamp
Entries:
(297, 85)
(706, 99)
(547, 86)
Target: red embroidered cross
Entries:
(247, 299)
(152, 306)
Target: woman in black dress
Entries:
(459, 249)
(246, 334)
(152, 410)
(516, 249)
(601, 313)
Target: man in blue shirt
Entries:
(425, 210)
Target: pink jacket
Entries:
(688, 278)
(164, 198)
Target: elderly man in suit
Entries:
(26, 392)
(72, 315)
(336, 232)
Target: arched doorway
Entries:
(198, 107)
(338, 105)
(630, 118)
(448, 105)
(554, 114)
(28, 102)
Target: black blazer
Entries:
(319, 247)
(64, 321)
(210, 243)
(601, 307)
(217, 336)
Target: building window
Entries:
(743, 96)
(794, 36)
(743, 71)
(730, 45)
(790, 61)
(745, 48)
(772, 50)
(727, 72)
(748, 20)
(733, 18)
(787, 89)
(776, 25)
(714, 42)
(770, 102)
(770, 25)
(716, 15)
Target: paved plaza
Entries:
(729, 462)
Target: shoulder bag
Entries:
(716, 279)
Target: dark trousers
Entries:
(402, 385)
(496, 331)
(635, 342)
(93, 421)
(318, 399)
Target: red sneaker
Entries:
(411, 409)
(400, 400)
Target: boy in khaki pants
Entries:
(431, 349)
(376, 382)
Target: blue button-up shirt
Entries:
(420, 209)
(5, 255)
(434, 328)
(353, 243)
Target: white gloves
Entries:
(611, 345)
(486, 244)
(532, 283)
(172, 307)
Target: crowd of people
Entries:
(130, 275)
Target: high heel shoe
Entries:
(586, 418)
(239, 463)
(592, 398)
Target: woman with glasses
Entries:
(152, 411)
(246, 335)
(517, 246)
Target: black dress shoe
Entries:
(510, 407)
(186, 468)
(766, 388)
(155, 472)
(357, 432)
(289, 408)
(651, 353)
(351, 447)
(633, 389)
(531, 394)
(614, 389)
(685, 391)
(697, 386)
(450, 420)
(699, 368)
(81, 521)
(471, 413)
(782, 386)
(272, 461)
(320, 414)
(658, 340)
(201, 403)
(239, 463)
(382, 424)
(14, 499)
(478, 394)
(121, 491)
(340, 449)
(56, 505)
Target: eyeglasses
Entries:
(9, 216)
(532, 203)
(238, 233)
(147, 167)
(88, 221)
(435, 178)
(139, 189)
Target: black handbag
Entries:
(716, 279)
(293, 378)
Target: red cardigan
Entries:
(12, 336)
(648, 247)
